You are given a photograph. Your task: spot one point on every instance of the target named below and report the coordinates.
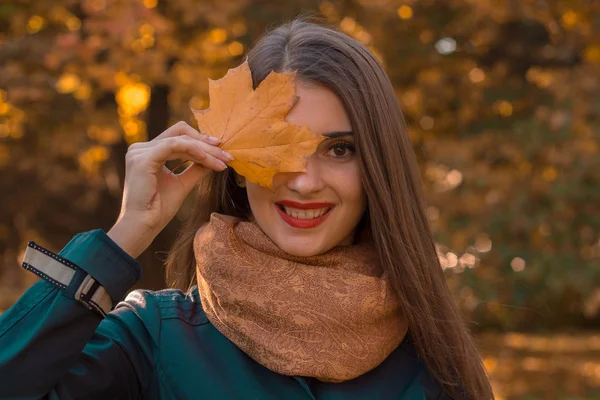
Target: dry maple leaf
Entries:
(251, 126)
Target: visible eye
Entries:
(342, 149)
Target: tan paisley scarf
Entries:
(331, 316)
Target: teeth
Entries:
(305, 214)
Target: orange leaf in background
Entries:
(251, 126)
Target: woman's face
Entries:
(290, 215)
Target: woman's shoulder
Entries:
(405, 361)
(153, 307)
(164, 298)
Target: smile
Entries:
(304, 214)
(299, 218)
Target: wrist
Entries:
(131, 237)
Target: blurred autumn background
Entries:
(503, 102)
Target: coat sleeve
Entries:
(64, 339)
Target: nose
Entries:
(303, 183)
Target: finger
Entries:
(188, 144)
(206, 161)
(177, 148)
(191, 176)
(212, 150)
(182, 128)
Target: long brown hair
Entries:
(389, 173)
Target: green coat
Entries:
(153, 344)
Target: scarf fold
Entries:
(331, 316)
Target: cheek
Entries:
(258, 196)
(347, 183)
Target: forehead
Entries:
(319, 109)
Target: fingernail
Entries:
(214, 139)
(222, 164)
(228, 156)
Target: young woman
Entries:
(326, 287)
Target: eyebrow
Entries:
(337, 134)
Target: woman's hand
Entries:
(153, 194)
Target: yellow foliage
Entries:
(133, 98)
(98, 5)
(217, 36)
(35, 24)
(549, 174)
(68, 83)
(326, 8)
(73, 23)
(198, 103)
(91, 159)
(134, 129)
(405, 12)
(59, 14)
(348, 24)
(83, 91)
(121, 78)
(103, 135)
(362, 35)
(490, 363)
(569, 19)
(503, 108)
(147, 41)
(592, 54)
(539, 77)
(476, 75)
(147, 29)
(235, 48)
(150, 3)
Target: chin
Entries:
(299, 249)
(305, 242)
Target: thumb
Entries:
(191, 176)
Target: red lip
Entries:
(304, 206)
(302, 223)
